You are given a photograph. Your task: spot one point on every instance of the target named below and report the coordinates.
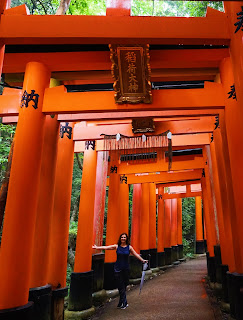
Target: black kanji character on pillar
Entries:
(232, 93)
(160, 196)
(27, 97)
(211, 137)
(113, 169)
(90, 143)
(203, 173)
(123, 179)
(239, 23)
(216, 123)
(66, 129)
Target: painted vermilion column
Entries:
(173, 222)
(124, 207)
(113, 215)
(236, 49)
(152, 216)
(199, 222)
(211, 196)
(199, 225)
(100, 194)
(136, 212)
(211, 237)
(144, 220)
(152, 226)
(179, 221)
(167, 230)
(83, 256)
(231, 129)
(61, 212)
(227, 251)
(45, 201)
(21, 206)
(161, 218)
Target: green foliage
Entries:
(87, 7)
(188, 225)
(6, 137)
(77, 7)
(173, 8)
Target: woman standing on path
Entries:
(123, 249)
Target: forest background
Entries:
(98, 7)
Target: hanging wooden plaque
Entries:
(131, 72)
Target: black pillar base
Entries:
(168, 252)
(200, 247)
(24, 312)
(218, 262)
(81, 288)
(205, 245)
(146, 256)
(211, 268)
(223, 269)
(180, 248)
(41, 296)
(109, 276)
(174, 253)
(153, 258)
(98, 268)
(135, 268)
(161, 259)
(235, 287)
(57, 303)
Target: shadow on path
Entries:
(178, 294)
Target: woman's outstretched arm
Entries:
(137, 255)
(111, 247)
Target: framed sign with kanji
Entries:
(131, 72)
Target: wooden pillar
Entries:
(211, 237)
(174, 246)
(179, 228)
(199, 226)
(45, 203)
(144, 221)
(173, 222)
(100, 194)
(136, 212)
(81, 286)
(124, 207)
(161, 227)
(179, 221)
(59, 229)
(231, 137)
(152, 226)
(21, 206)
(135, 265)
(236, 49)
(61, 211)
(167, 231)
(113, 220)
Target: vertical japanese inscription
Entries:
(131, 71)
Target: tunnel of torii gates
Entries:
(53, 122)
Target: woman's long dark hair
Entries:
(119, 240)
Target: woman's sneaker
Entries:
(124, 306)
(120, 304)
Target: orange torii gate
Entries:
(216, 29)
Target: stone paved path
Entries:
(178, 294)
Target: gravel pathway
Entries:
(177, 294)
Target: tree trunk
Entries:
(4, 186)
(63, 7)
